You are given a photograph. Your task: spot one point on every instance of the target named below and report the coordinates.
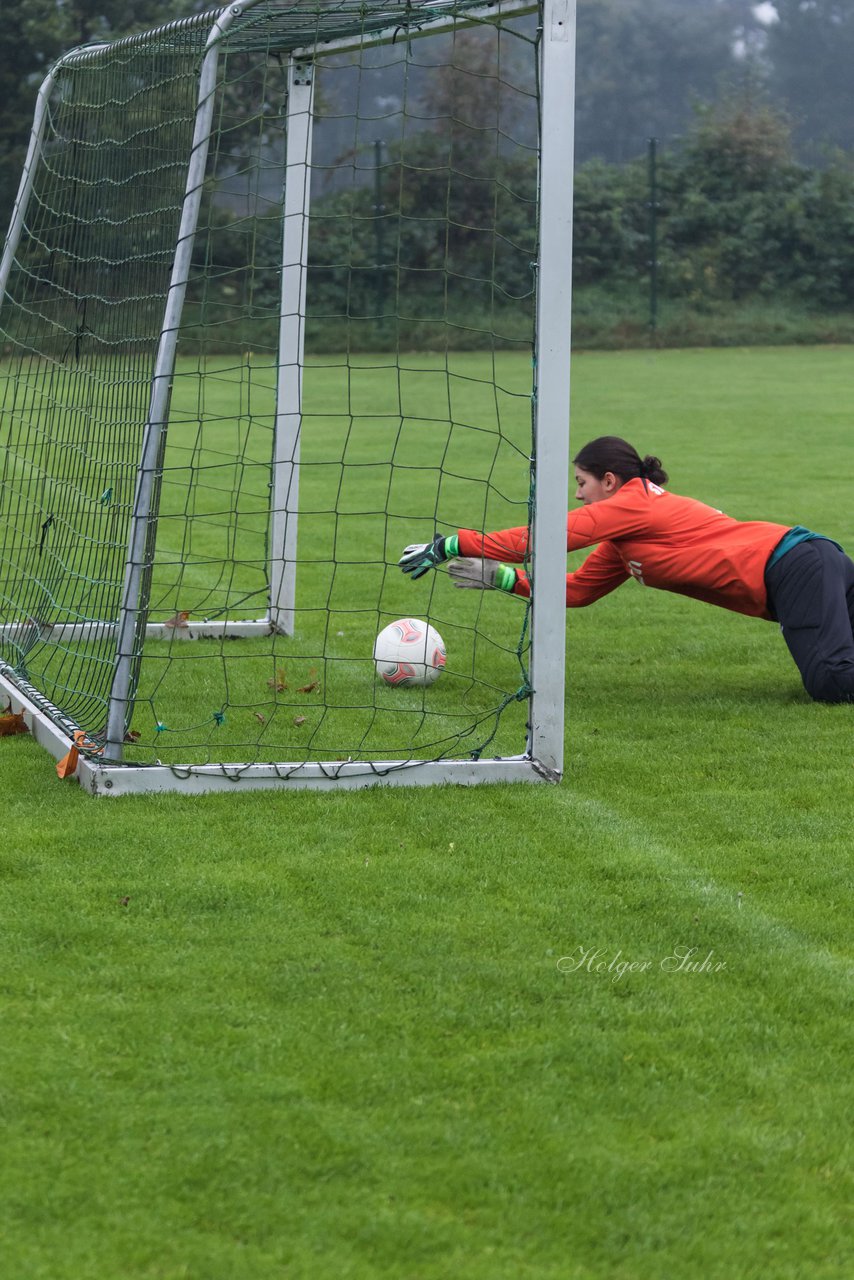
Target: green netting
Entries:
(416, 385)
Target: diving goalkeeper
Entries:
(790, 575)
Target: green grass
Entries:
(328, 1037)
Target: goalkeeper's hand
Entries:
(483, 575)
(421, 556)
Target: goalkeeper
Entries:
(789, 575)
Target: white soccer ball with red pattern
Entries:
(409, 652)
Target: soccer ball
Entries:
(409, 652)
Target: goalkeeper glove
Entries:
(421, 556)
(483, 575)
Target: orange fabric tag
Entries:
(67, 766)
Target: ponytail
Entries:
(651, 469)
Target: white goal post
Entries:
(57, 645)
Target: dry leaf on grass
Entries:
(312, 682)
(12, 723)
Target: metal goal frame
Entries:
(542, 759)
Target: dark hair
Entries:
(611, 453)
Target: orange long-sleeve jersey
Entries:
(660, 539)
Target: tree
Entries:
(733, 207)
(454, 228)
(32, 38)
(810, 55)
(35, 34)
(738, 217)
(643, 63)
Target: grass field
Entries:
(393, 1034)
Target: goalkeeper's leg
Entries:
(811, 590)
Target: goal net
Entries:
(275, 304)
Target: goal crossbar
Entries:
(343, 27)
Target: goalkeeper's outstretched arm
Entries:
(480, 566)
(485, 562)
(510, 545)
(600, 573)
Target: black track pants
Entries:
(811, 591)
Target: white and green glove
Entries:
(483, 575)
(421, 556)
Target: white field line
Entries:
(740, 906)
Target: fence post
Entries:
(653, 242)
(379, 229)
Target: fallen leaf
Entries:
(260, 718)
(279, 681)
(312, 683)
(11, 724)
(178, 619)
(298, 720)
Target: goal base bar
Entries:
(204, 629)
(118, 779)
